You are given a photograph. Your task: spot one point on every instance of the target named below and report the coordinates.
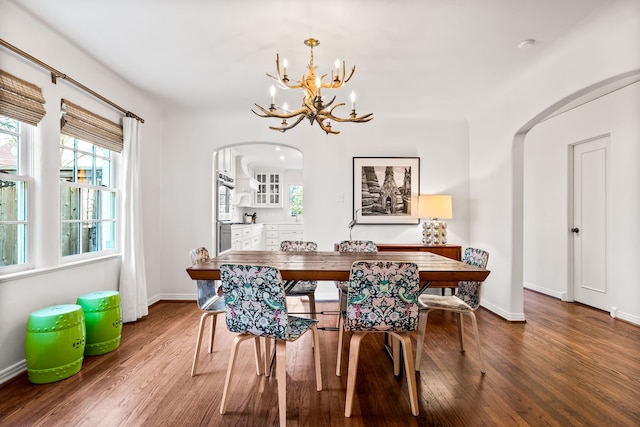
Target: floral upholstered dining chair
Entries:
(209, 301)
(465, 301)
(256, 306)
(302, 287)
(352, 246)
(382, 297)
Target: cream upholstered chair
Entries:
(209, 301)
(302, 287)
(256, 306)
(381, 297)
(352, 246)
(465, 301)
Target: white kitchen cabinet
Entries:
(278, 233)
(269, 192)
(247, 237)
(272, 239)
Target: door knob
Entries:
(575, 230)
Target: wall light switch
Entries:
(339, 197)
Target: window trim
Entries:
(64, 259)
(27, 141)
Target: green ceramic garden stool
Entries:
(54, 344)
(103, 320)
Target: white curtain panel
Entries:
(133, 279)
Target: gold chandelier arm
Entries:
(286, 128)
(361, 119)
(327, 127)
(269, 113)
(335, 84)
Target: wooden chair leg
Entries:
(316, 357)
(214, 317)
(267, 356)
(312, 305)
(281, 374)
(475, 332)
(196, 355)
(422, 329)
(395, 346)
(339, 351)
(232, 360)
(460, 323)
(405, 340)
(258, 355)
(354, 355)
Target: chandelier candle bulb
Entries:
(272, 91)
(353, 100)
(284, 66)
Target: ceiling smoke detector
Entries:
(526, 44)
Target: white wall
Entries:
(51, 284)
(605, 45)
(546, 190)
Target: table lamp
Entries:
(433, 208)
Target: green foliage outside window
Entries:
(295, 200)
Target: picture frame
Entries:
(386, 190)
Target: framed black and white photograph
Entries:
(386, 190)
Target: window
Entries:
(14, 141)
(295, 200)
(88, 201)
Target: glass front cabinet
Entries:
(269, 189)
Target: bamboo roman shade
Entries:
(90, 127)
(20, 99)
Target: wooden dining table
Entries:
(434, 269)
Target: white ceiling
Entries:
(412, 57)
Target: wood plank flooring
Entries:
(568, 365)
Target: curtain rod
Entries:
(55, 74)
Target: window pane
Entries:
(8, 153)
(70, 203)
(10, 125)
(90, 204)
(108, 204)
(84, 146)
(103, 172)
(70, 238)
(67, 141)
(295, 199)
(90, 237)
(12, 247)
(108, 235)
(85, 168)
(66, 164)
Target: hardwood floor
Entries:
(567, 365)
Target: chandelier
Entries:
(313, 107)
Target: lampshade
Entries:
(435, 206)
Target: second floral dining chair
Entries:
(302, 287)
(381, 297)
(352, 246)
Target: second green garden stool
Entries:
(103, 320)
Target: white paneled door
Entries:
(589, 228)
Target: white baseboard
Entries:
(13, 371)
(512, 317)
(552, 293)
